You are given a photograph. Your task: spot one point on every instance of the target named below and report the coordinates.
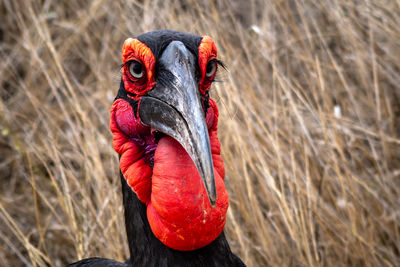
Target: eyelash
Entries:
(220, 63)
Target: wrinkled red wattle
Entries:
(136, 171)
(178, 208)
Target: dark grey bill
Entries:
(174, 108)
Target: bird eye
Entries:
(136, 69)
(211, 68)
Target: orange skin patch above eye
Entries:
(207, 52)
(133, 49)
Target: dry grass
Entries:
(308, 186)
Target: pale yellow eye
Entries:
(211, 68)
(136, 69)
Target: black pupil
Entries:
(210, 67)
(137, 67)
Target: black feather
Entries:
(98, 262)
(157, 41)
(145, 249)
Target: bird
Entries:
(164, 125)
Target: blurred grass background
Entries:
(309, 124)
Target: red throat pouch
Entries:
(179, 212)
(178, 209)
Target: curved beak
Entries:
(173, 107)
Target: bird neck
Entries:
(146, 250)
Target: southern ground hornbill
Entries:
(165, 130)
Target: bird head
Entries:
(164, 127)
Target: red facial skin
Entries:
(207, 52)
(178, 208)
(133, 49)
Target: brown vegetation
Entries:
(309, 124)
